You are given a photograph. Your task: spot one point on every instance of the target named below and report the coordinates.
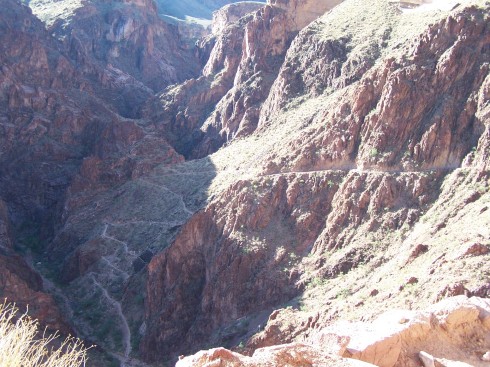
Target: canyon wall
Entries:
(313, 161)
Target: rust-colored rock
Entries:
(338, 148)
(129, 36)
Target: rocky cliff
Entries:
(63, 140)
(329, 158)
(368, 129)
(127, 35)
(225, 101)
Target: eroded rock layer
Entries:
(357, 138)
(128, 36)
(339, 163)
(455, 331)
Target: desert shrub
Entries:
(23, 345)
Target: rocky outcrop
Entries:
(129, 36)
(283, 355)
(453, 332)
(225, 102)
(232, 13)
(339, 149)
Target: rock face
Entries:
(455, 331)
(241, 68)
(350, 170)
(186, 305)
(127, 35)
(367, 160)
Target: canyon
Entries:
(265, 190)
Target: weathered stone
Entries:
(427, 359)
(293, 355)
(475, 249)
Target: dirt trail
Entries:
(179, 196)
(126, 332)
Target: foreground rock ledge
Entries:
(454, 331)
(294, 354)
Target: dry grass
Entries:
(21, 346)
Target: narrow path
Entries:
(357, 170)
(179, 196)
(105, 235)
(126, 332)
(112, 266)
(150, 222)
(352, 168)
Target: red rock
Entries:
(476, 249)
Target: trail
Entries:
(179, 196)
(359, 171)
(150, 222)
(105, 235)
(126, 332)
(112, 266)
(352, 168)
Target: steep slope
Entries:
(59, 129)
(350, 170)
(127, 36)
(361, 140)
(224, 103)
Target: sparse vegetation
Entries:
(22, 344)
(344, 293)
(318, 282)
